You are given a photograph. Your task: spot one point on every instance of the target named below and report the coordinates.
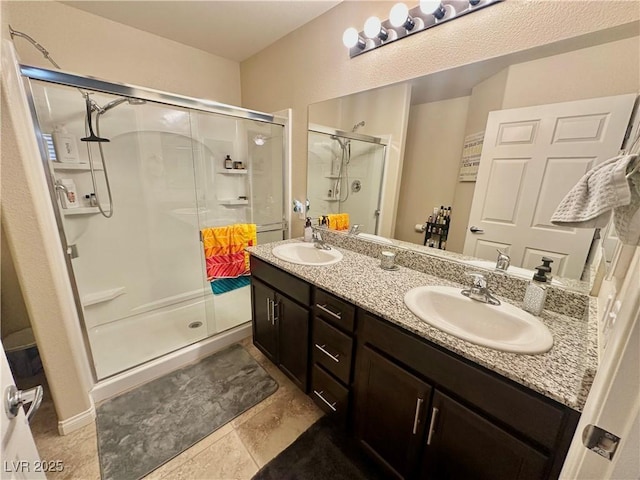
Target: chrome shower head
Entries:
(358, 125)
(119, 101)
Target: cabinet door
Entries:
(293, 335)
(390, 412)
(462, 444)
(265, 333)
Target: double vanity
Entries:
(427, 380)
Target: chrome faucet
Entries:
(318, 242)
(354, 229)
(479, 291)
(503, 261)
(60, 186)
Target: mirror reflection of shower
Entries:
(345, 174)
(342, 182)
(94, 137)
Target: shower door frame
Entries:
(60, 77)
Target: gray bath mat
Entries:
(140, 430)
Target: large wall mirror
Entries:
(405, 143)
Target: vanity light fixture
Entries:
(404, 21)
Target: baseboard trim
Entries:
(78, 421)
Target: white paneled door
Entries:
(19, 456)
(531, 158)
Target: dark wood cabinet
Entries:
(293, 336)
(280, 323)
(391, 406)
(462, 444)
(265, 332)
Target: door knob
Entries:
(476, 230)
(14, 399)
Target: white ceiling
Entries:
(233, 29)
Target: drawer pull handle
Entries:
(326, 310)
(332, 357)
(432, 426)
(417, 415)
(332, 406)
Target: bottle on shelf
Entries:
(69, 194)
(228, 163)
(65, 145)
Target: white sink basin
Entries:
(515, 271)
(306, 254)
(374, 238)
(503, 327)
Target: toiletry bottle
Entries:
(308, 230)
(69, 195)
(228, 163)
(536, 292)
(65, 145)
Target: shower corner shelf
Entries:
(79, 167)
(233, 201)
(82, 210)
(332, 177)
(330, 199)
(231, 171)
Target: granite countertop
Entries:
(565, 373)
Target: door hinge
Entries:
(600, 441)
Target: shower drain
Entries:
(195, 324)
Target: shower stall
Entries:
(345, 175)
(134, 175)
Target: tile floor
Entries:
(235, 451)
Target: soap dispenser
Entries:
(546, 261)
(308, 231)
(536, 292)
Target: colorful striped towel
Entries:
(224, 249)
(338, 221)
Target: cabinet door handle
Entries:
(332, 357)
(432, 425)
(326, 310)
(275, 307)
(416, 418)
(332, 406)
(269, 311)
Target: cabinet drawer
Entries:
(332, 349)
(291, 286)
(328, 394)
(334, 310)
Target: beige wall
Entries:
(13, 311)
(311, 64)
(90, 45)
(431, 164)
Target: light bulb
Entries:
(350, 37)
(259, 140)
(398, 14)
(433, 7)
(372, 27)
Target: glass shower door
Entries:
(239, 180)
(138, 273)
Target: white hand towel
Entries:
(589, 203)
(627, 218)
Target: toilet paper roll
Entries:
(419, 227)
